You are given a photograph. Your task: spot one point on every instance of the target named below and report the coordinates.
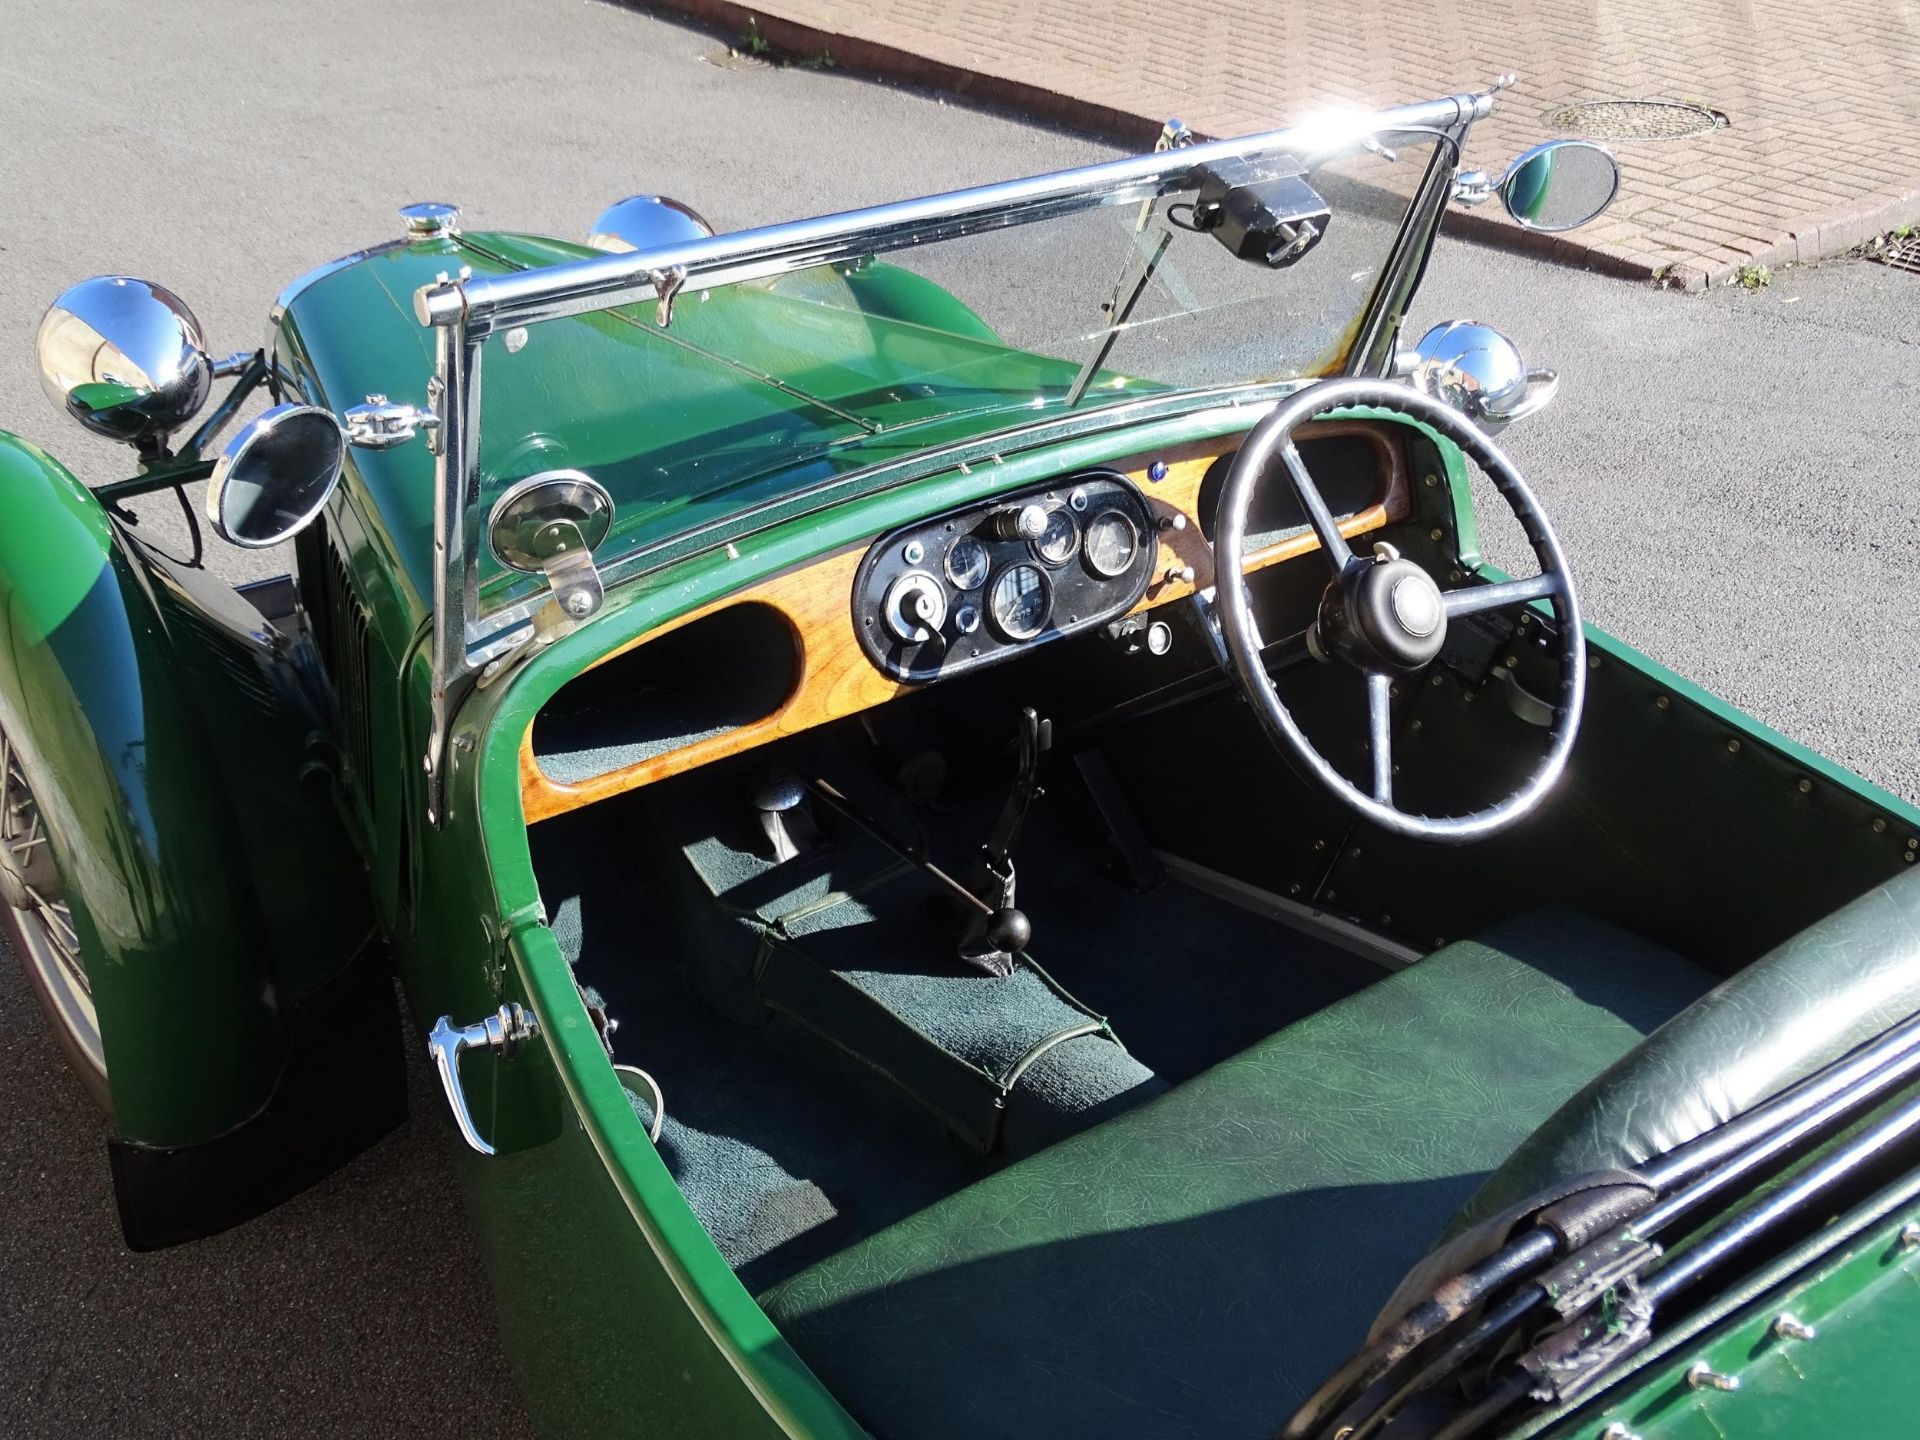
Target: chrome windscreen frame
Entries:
(464, 310)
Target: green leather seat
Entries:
(1195, 1266)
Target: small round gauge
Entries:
(1111, 544)
(1019, 602)
(967, 563)
(1060, 539)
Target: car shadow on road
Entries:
(359, 1308)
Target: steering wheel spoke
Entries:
(1477, 598)
(1332, 543)
(1380, 734)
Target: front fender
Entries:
(211, 881)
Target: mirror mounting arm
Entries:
(1473, 187)
(381, 424)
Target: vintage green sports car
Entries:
(976, 843)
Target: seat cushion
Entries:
(1803, 1004)
(1194, 1266)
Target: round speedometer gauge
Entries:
(1112, 542)
(1019, 602)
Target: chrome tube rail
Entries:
(483, 304)
(466, 309)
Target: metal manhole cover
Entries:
(1901, 254)
(1635, 119)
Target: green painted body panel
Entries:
(141, 718)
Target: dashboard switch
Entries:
(1021, 522)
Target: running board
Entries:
(1336, 930)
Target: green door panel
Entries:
(137, 716)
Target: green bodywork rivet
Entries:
(1879, 825)
(1733, 747)
(1788, 1326)
(1661, 702)
(1436, 533)
(1702, 1376)
(1432, 482)
(1805, 787)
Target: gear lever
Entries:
(989, 944)
(1006, 929)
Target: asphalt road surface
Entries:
(1733, 477)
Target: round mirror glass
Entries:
(1560, 185)
(275, 475)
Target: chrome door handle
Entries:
(501, 1031)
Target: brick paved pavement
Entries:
(1823, 99)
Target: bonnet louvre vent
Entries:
(345, 636)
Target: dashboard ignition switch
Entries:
(915, 607)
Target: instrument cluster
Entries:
(977, 585)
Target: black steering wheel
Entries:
(1385, 616)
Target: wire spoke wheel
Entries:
(39, 923)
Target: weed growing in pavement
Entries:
(753, 42)
(1752, 277)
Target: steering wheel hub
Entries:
(1386, 614)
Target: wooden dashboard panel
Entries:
(834, 677)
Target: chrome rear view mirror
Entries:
(275, 475)
(550, 524)
(1560, 185)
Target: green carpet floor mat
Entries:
(787, 1151)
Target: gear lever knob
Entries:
(1009, 929)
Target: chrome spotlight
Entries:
(647, 222)
(125, 358)
(1478, 371)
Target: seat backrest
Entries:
(1807, 1002)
